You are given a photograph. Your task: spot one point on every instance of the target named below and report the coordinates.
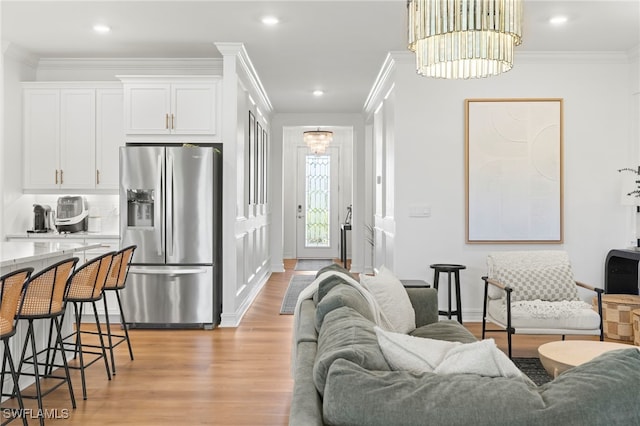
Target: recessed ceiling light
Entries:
(558, 20)
(270, 20)
(102, 29)
(318, 93)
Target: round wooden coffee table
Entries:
(557, 357)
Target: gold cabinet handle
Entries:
(166, 121)
(61, 177)
(56, 176)
(97, 177)
(173, 126)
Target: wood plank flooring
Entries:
(196, 377)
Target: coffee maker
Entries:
(41, 218)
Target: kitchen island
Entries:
(38, 255)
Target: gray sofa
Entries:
(342, 378)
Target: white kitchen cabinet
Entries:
(71, 133)
(109, 137)
(185, 106)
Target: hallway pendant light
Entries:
(464, 38)
(318, 140)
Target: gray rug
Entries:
(312, 264)
(296, 285)
(533, 368)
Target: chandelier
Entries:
(464, 38)
(318, 140)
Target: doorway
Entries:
(317, 203)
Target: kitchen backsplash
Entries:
(18, 215)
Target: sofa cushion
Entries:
(521, 317)
(346, 334)
(448, 330)
(392, 298)
(603, 392)
(342, 295)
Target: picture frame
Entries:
(252, 159)
(258, 165)
(265, 165)
(514, 170)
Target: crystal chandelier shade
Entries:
(318, 140)
(464, 38)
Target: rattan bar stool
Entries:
(11, 293)
(116, 281)
(86, 285)
(44, 299)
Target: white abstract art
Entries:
(514, 170)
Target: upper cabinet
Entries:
(172, 108)
(71, 136)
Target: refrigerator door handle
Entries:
(181, 271)
(170, 204)
(158, 209)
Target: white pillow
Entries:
(414, 354)
(482, 358)
(418, 355)
(392, 298)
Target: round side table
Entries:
(449, 269)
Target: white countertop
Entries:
(71, 236)
(15, 253)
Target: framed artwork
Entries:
(258, 165)
(514, 175)
(252, 158)
(265, 163)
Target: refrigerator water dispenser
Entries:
(140, 203)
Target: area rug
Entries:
(312, 264)
(533, 368)
(296, 285)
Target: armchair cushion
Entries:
(553, 284)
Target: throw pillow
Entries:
(420, 355)
(553, 283)
(409, 353)
(482, 358)
(392, 298)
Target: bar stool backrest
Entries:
(11, 292)
(46, 290)
(120, 268)
(87, 281)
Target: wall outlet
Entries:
(419, 210)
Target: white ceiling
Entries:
(337, 46)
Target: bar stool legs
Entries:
(119, 337)
(16, 388)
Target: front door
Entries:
(317, 227)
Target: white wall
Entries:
(428, 154)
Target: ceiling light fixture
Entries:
(270, 20)
(101, 28)
(464, 38)
(318, 93)
(558, 20)
(317, 140)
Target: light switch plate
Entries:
(419, 210)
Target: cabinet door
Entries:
(77, 138)
(147, 108)
(41, 133)
(193, 108)
(109, 136)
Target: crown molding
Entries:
(249, 73)
(211, 66)
(19, 54)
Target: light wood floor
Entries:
(222, 377)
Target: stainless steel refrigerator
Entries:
(170, 208)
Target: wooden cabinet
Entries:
(71, 136)
(172, 106)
